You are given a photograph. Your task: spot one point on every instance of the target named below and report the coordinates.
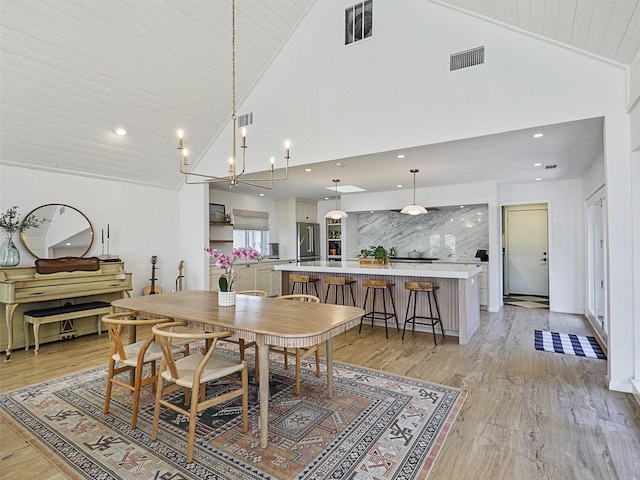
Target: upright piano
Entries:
(21, 287)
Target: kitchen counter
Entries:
(457, 296)
(434, 270)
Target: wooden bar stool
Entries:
(341, 282)
(430, 289)
(385, 286)
(303, 281)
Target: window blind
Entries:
(250, 220)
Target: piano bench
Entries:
(63, 314)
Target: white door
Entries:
(527, 252)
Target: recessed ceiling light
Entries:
(538, 179)
(399, 186)
(326, 198)
(478, 213)
(307, 169)
(538, 135)
(120, 130)
(401, 155)
(339, 164)
(461, 206)
(537, 164)
(262, 194)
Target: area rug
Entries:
(527, 301)
(569, 344)
(376, 426)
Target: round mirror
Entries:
(65, 232)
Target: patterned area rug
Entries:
(527, 301)
(569, 344)
(376, 426)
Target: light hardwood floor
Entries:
(528, 415)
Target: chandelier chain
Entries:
(233, 58)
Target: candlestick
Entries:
(108, 232)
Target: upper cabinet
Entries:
(306, 211)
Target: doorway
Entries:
(526, 259)
(596, 264)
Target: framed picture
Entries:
(216, 212)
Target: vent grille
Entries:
(465, 59)
(358, 22)
(550, 167)
(246, 119)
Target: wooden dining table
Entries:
(266, 321)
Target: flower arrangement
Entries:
(226, 261)
(10, 223)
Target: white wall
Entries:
(142, 220)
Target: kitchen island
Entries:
(457, 296)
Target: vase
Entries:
(9, 254)
(227, 299)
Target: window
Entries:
(358, 22)
(256, 239)
(251, 229)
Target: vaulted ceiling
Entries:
(72, 70)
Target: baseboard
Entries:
(625, 387)
(635, 386)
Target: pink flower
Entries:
(226, 261)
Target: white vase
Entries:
(227, 299)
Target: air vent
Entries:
(550, 167)
(465, 59)
(244, 120)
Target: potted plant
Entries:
(227, 295)
(10, 224)
(374, 256)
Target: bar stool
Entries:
(303, 281)
(376, 285)
(430, 289)
(341, 282)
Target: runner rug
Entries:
(568, 343)
(376, 426)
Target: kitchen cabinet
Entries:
(306, 211)
(221, 235)
(334, 239)
(251, 276)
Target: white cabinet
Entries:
(251, 276)
(306, 211)
(245, 277)
(263, 278)
(483, 286)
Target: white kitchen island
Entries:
(457, 296)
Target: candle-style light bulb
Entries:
(273, 161)
(287, 144)
(180, 135)
(186, 156)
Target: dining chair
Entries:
(300, 353)
(192, 373)
(133, 357)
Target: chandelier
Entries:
(235, 177)
(414, 209)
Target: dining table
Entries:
(263, 320)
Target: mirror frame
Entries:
(22, 236)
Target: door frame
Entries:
(503, 243)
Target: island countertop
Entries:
(434, 270)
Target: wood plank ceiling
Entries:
(73, 69)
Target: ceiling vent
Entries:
(465, 59)
(550, 167)
(244, 120)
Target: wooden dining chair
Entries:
(192, 373)
(300, 353)
(133, 357)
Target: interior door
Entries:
(527, 251)
(596, 263)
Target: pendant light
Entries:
(414, 209)
(336, 214)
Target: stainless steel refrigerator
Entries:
(308, 242)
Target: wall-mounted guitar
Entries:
(153, 288)
(180, 276)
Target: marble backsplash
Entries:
(452, 233)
